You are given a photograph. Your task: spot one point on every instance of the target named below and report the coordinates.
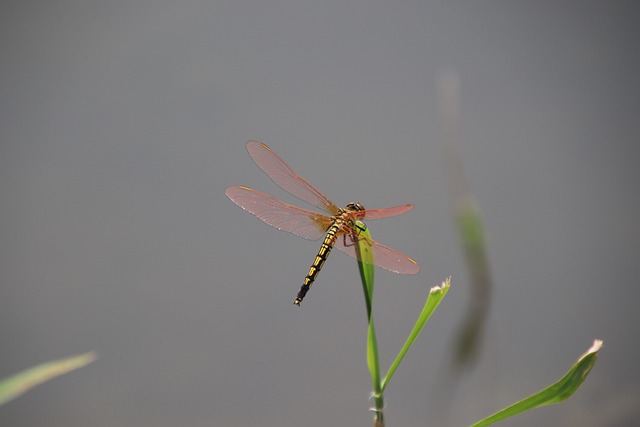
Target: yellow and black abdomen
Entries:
(323, 253)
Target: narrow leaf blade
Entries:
(436, 295)
(20, 383)
(555, 393)
(366, 267)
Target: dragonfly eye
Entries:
(354, 207)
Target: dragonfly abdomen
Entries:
(321, 257)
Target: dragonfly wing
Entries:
(370, 214)
(301, 222)
(383, 256)
(287, 179)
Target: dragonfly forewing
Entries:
(288, 179)
(283, 216)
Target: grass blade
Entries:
(367, 274)
(436, 295)
(555, 393)
(20, 383)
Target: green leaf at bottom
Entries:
(555, 393)
(20, 383)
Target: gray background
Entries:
(123, 122)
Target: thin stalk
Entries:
(365, 266)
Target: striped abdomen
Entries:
(323, 253)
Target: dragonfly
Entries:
(341, 227)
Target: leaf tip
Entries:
(446, 284)
(595, 347)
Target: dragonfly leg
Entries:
(353, 238)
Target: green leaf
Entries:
(436, 294)
(366, 263)
(366, 267)
(555, 393)
(20, 383)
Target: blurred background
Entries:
(123, 122)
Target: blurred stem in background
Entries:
(468, 220)
(469, 225)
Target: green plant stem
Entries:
(365, 266)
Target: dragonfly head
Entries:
(354, 207)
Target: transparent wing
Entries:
(370, 214)
(301, 222)
(384, 256)
(287, 179)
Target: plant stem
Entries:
(365, 266)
